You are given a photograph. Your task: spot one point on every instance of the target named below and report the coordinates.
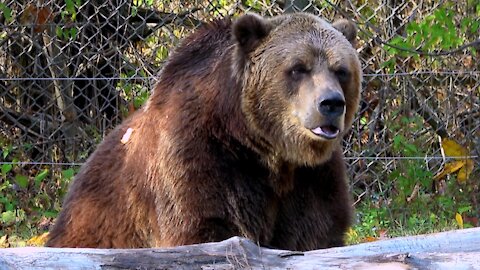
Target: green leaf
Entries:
(3, 186)
(65, 35)
(398, 40)
(39, 177)
(59, 32)
(7, 12)
(27, 146)
(413, 28)
(134, 11)
(394, 175)
(22, 180)
(405, 120)
(464, 209)
(431, 43)
(70, 6)
(127, 88)
(10, 205)
(410, 149)
(68, 174)
(437, 31)
(417, 39)
(464, 23)
(363, 120)
(402, 44)
(428, 20)
(139, 100)
(440, 14)
(6, 168)
(50, 214)
(6, 151)
(73, 33)
(398, 141)
(433, 218)
(161, 53)
(475, 26)
(447, 42)
(473, 51)
(389, 65)
(8, 217)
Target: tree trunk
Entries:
(449, 250)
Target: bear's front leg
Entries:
(318, 212)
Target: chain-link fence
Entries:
(71, 70)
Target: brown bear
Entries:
(240, 137)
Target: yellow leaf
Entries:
(450, 168)
(38, 240)
(351, 236)
(351, 232)
(465, 171)
(4, 241)
(463, 165)
(453, 149)
(459, 220)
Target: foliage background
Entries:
(71, 70)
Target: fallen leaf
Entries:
(459, 220)
(39, 17)
(449, 168)
(38, 240)
(351, 232)
(4, 242)
(453, 149)
(414, 194)
(462, 164)
(465, 171)
(383, 234)
(371, 239)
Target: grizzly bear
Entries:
(240, 137)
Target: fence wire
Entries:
(71, 70)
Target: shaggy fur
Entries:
(226, 145)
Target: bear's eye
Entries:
(298, 71)
(342, 74)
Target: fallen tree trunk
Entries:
(458, 249)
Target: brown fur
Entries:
(224, 145)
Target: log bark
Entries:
(458, 249)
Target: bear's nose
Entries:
(331, 104)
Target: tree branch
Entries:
(427, 113)
(433, 54)
(28, 124)
(159, 19)
(475, 43)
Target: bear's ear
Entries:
(249, 30)
(347, 28)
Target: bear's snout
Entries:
(332, 105)
(327, 119)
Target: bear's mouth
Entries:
(328, 131)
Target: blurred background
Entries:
(71, 70)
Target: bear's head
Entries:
(301, 81)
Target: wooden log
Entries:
(458, 249)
